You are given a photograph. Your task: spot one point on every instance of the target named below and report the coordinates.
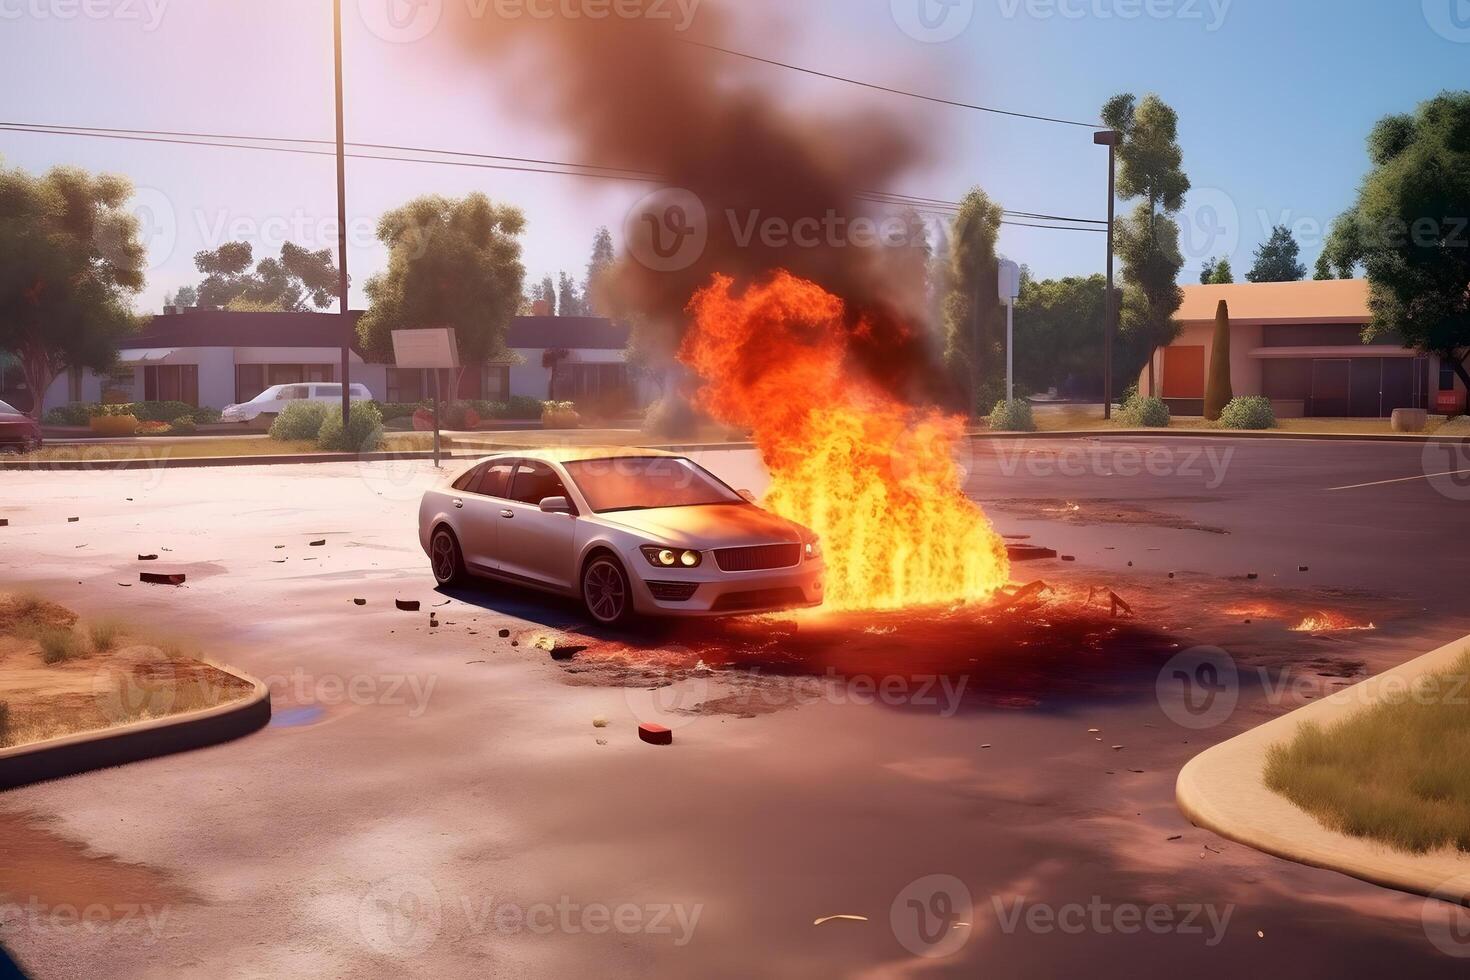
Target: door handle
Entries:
(459, 503)
(507, 513)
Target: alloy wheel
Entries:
(605, 591)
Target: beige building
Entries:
(1300, 344)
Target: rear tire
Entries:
(606, 591)
(445, 558)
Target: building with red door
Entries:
(1301, 345)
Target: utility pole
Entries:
(347, 330)
(1111, 139)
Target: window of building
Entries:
(171, 383)
(405, 385)
(1446, 377)
(495, 383)
(74, 384)
(252, 379)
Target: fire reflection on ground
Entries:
(1035, 647)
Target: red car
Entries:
(18, 432)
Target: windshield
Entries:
(646, 482)
(7, 409)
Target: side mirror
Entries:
(750, 497)
(556, 505)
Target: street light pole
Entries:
(1111, 139)
(342, 223)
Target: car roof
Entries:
(575, 454)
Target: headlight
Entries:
(670, 557)
(813, 549)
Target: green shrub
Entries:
(1012, 416)
(1144, 413)
(522, 407)
(393, 411)
(364, 430)
(206, 416)
(76, 413)
(303, 420)
(1248, 412)
(183, 426)
(988, 393)
(58, 644)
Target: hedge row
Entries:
(82, 413)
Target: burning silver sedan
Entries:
(628, 531)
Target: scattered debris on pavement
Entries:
(407, 605)
(655, 734)
(161, 578)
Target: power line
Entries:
(280, 145)
(888, 89)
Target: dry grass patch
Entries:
(60, 678)
(1397, 772)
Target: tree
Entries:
(974, 318)
(70, 264)
(1149, 167)
(1408, 230)
(1276, 258)
(1323, 269)
(184, 297)
(594, 287)
(1218, 392)
(551, 359)
(452, 262)
(296, 281)
(568, 303)
(548, 295)
(1216, 272)
(1059, 332)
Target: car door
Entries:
(536, 546)
(478, 500)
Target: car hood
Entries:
(712, 526)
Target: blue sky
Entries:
(1274, 98)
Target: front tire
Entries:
(446, 559)
(606, 591)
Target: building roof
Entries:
(1310, 301)
(571, 332)
(225, 328)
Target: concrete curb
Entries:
(1222, 790)
(1411, 438)
(71, 755)
(184, 462)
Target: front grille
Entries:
(759, 599)
(672, 591)
(759, 557)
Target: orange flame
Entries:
(1329, 622)
(876, 478)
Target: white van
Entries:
(268, 404)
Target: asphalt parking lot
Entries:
(435, 801)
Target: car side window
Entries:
(493, 479)
(469, 479)
(535, 481)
